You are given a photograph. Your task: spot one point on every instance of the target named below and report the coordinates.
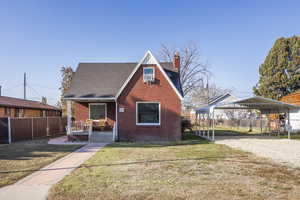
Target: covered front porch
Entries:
(92, 120)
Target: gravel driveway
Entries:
(283, 151)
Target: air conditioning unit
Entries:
(148, 78)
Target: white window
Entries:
(97, 111)
(148, 113)
(148, 74)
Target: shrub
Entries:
(186, 124)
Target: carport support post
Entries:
(213, 125)
(208, 124)
(261, 125)
(289, 124)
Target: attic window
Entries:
(148, 74)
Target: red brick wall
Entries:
(160, 91)
(81, 111)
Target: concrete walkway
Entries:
(37, 185)
(63, 140)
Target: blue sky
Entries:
(39, 37)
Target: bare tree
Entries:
(192, 71)
(67, 75)
(203, 94)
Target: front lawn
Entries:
(20, 159)
(191, 169)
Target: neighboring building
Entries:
(219, 100)
(15, 107)
(293, 98)
(141, 100)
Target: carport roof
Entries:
(265, 105)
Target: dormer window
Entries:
(148, 74)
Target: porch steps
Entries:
(101, 137)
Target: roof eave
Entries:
(90, 99)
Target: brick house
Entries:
(15, 107)
(139, 101)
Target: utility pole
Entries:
(24, 85)
(207, 88)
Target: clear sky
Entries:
(39, 37)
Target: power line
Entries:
(36, 92)
(45, 87)
(10, 88)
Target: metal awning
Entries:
(264, 105)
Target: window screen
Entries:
(97, 111)
(148, 113)
(149, 70)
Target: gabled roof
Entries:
(150, 59)
(106, 80)
(22, 103)
(215, 101)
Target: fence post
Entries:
(47, 129)
(60, 125)
(9, 130)
(32, 128)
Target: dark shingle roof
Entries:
(104, 80)
(219, 98)
(22, 103)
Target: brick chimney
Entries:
(176, 61)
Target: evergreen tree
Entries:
(278, 74)
(67, 75)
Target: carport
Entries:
(206, 120)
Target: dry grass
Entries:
(236, 131)
(191, 169)
(293, 136)
(18, 160)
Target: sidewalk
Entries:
(37, 185)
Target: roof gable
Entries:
(149, 59)
(227, 97)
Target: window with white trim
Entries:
(148, 74)
(97, 111)
(148, 113)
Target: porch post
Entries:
(116, 123)
(69, 116)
